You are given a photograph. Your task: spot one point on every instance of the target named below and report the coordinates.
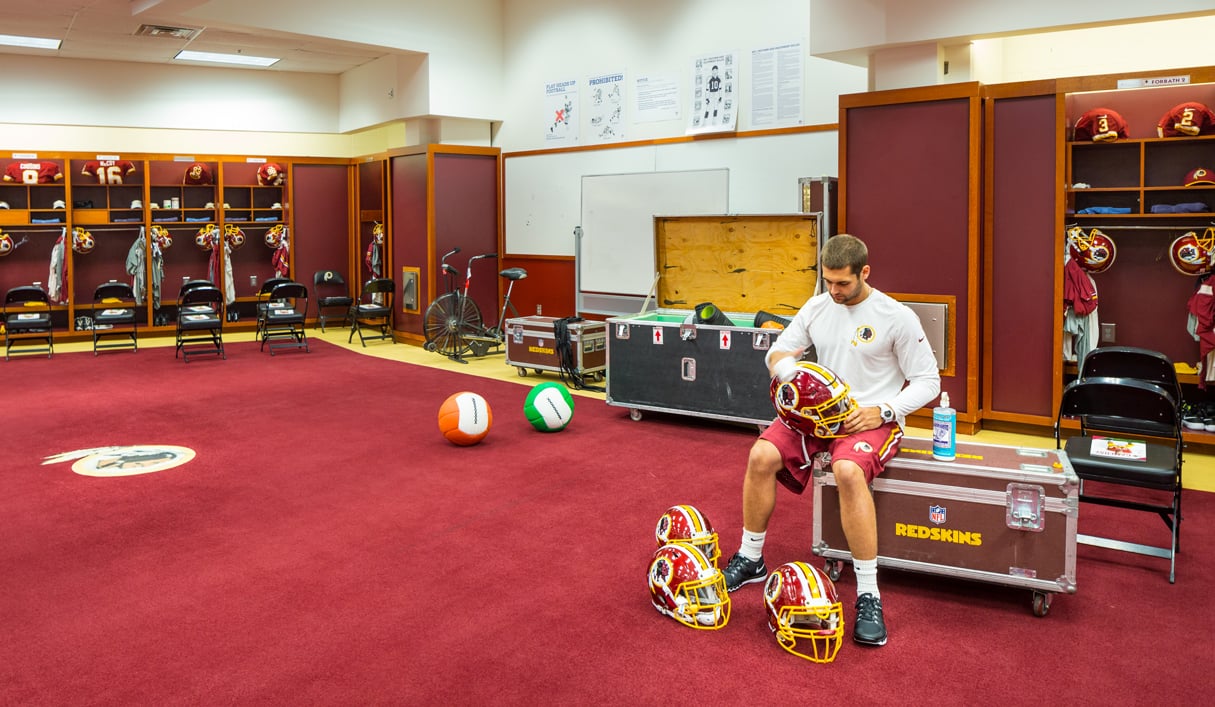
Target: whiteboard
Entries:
(543, 193)
(615, 253)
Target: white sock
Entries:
(752, 546)
(866, 577)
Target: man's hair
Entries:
(845, 251)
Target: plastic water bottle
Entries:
(944, 424)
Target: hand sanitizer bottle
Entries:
(944, 422)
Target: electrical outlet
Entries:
(1108, 333)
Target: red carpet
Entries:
(327, 546)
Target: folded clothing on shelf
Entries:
(1104, 210)
(1190, 207)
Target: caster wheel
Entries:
(833, 568)
(429, 346)
(522, 372)
(635, 414)
(1041, 604)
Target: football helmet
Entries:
(1100, 125)
(197, 173)
(1094, 252)
(270, 174)
(160, 235)
(6, 244)
(686, 524)
(687, 587)
(803, 605)
(233, 236)
(207, 236)
(82, 240)
(814, 402)
(274, 236)
(1193, 255)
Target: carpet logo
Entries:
(123, 461)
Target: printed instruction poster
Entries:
(657, 98)
(776, 86)
(714, 104)
(605, 106)
(560, 99)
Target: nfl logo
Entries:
(936, 514)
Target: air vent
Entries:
(166, 31)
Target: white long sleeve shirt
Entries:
(877, 347)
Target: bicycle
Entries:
(453, 324)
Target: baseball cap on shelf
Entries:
(4, 205)
(1186, 120)
(1199, 175)
(136, 204)
(59, 204)
(1100, 125)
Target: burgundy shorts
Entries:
(870, 450)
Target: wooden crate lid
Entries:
(740, 263)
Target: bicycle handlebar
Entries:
(483, 255)
(450, 253)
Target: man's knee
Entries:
(764, 459)
(849, 476)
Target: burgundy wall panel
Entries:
(549, 285)
(409, 231)
(321, 205)
(466, 215)
(908, 181)
(1025, 247)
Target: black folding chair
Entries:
(114, 316)
(331, 297)
(263, 300)
(200, 323)
(373, 311)
(27, 321)
(286, 311)
(1130, 436)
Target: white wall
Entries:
(461, 38)
(547, 40)
(1112, 50)
(53, 91)
(846, 25)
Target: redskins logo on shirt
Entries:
(123, 461)
(864, 335)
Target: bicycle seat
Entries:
(514, 273)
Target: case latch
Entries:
(1025, 506)
(687, 331)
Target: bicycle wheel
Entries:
(450, 320)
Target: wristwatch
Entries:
(887, 412)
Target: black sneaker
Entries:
(869, 627)
(741, 570)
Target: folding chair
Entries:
(373, 310)
(114, 315)
(331, 294)
(284, 318)
(27, 318)
(1132, 362)
(263, 299)
(200, 323)
(1130, 435)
